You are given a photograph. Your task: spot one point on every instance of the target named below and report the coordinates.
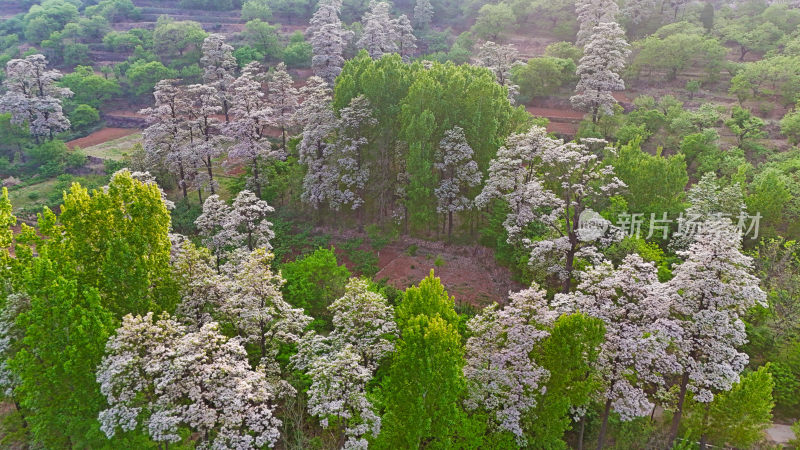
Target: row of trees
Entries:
(191, 348)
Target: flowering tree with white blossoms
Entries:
(159, 378)
(318, 120)
(256, 307)
(500, 59)
(163, 138)
(282, 99)
(404, 34)
(219, 66)
(708, 294)
(248, 129)
(379, 35)
(342, 363)
(328, 40)
(211, 225)
(591, 13)
(32, 96)
(634, 354)
(458, 172)
(502, 376)
(203, 103)
(599, 70)
(202, 289)
(345, 157)
(423, 13)
(553, 183)
(248, 221)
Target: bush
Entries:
(314, 282)
(83, 116)
(256, 9)
(298, 53)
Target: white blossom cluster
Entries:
(503, 377)
(342, 363)
(328, 40)
(159, 378)
(243, 225)
(599, 70)
(548, 181)
(383, 35)
(500, 59)
(33, 97)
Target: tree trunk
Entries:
(602, 436)
(256, 178)
(200, 195)
(210, 177)
(705, 426)
(449, 224)
(580, 433)
(676, 418)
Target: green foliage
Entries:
(313, 282)
(673, 53)
(543, 76)
(564, 50)
(779, 75)
(51, 15)
(256, 9)
(298, 53)
(745, 125)
(89, 88)
(790, 126)
(66, 329)
(494, 22)
(212, 5)
(114, 10)
(262, 37)
(770, 197)
(49, 158)
(416, 106)
(737, 417)
(83, 116)
(428, 298)
(568, 353)
(425, 385)
(142, 76)
(246, 54)
(640, 170)
(179, 40)
(118, 240)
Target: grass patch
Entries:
(33, 196)
(115, 149)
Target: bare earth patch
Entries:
(101, 136)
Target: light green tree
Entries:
(425, 385)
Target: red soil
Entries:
(101, 136)
(556, 114)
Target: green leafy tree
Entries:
(737, 417)
(314, 282)
(256, 9)
(745, 125)
(543, 76)
(89, 88)
(263, 37)
(638, 170)
(778, 75)
(676, 52)
(568, 354)
(49, 16)
(118, 239)
(790, 126)
(425, 385)
(770, 197)
(178, 39)
(83, 116)
(494, 22)
(142, 76)
(65, 333)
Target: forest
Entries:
(439, 224)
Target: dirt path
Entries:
(780, 434)
(101, 136)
